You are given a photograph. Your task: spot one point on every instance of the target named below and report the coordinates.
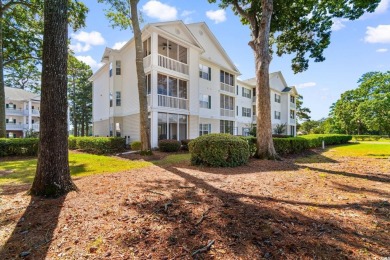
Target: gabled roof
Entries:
(286, 89)
(17, 94)
(217, 43)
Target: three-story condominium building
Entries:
(192, 88)
(21, 112)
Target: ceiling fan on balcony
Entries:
(165, 45)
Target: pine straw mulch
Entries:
(331, 209)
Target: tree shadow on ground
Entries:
(34, 230)
(245, 226)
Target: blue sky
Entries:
(356, 47)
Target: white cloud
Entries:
(119, 45)
(217, 16)
(85, 40)
(338, 24)
(186, 15)
(382, 50)
(382, 7)
(307, 85)
(379, 34)
(160, 11)
(90, 61)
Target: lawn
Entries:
(362, 149)
(81, 164)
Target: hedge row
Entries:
(366, 137)
(97, 145)
(329, 139)
(18, 147)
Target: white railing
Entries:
(227, 112)
(147, 61)
(9, 111)
(228, 88)
(14, 126)
(254, 99)
(173, 102)
(172, 64)
(148, 100)
(34, 112)
(292, 105)
(35, 127)
(292, 121)
(254, 118)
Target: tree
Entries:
(21, 28)
(24, 75)
(302, 112)
(124, 14)
(294, 27)
(52, 178)
(79, 95)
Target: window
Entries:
(237, 90)
(246, 92)
(277, 115)
(204, 129)
(245, 131)
(148, 83)
(205, 101)
(10, 106)
(170, 86)
(227, 102)
(277, 98)
(246, 112)
(147, 47)
(292, 114)
(118, 67)
(110, 99)
(118, 98)
(172, 50)
(204, 72)
(227, 78)
(226, 126)
(110, 72)
(292, 99)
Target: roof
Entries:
(18, 94)
(286, 89)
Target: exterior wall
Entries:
(131, 127)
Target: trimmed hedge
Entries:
(219, 150)
(136, 146)
(18, 147)
(366, 137)
(330, 139)
(169, 145)
(97, 145)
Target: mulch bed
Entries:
(331, 209)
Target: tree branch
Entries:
(12, 3)
(6, 63)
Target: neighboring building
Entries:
(192, 88)
(21, 112)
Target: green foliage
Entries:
(280, 128)
(366, 137)
(118, 13)
(302, 112)
(169, 145)
(291, 145)
(329, 139)
(18, 147)
(97, 145)
(136, 145)
(251, 140)
(219, 150)
(184, 144)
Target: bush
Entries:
(98, 145)
(219, 150)
(136, 145)
(251, 140)
(329, 139)
(18, 147)
(366, 137)
(184, 144)
(169, 145)
(290, 145)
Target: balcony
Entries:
(227, 112)
(34, 112)
(292, 121)
(147, 61)
(14, 126)
(254, 118)
(292, 105)
(228, 88)
(15, 112)
(254, 99)
(35, 127)
(172, 102)
(172, 64)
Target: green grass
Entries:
(174, 159)
(81, 164)
(364, 149)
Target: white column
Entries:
(154, 129)
(29, 115)
(154, 49)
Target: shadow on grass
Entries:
(34, 230)
(245, 226)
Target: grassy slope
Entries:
(371, 149)
(22, 171)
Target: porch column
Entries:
(29, 115)
(154, 128)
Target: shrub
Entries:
(72, 143)
(366, 137)
(136, 145)
(329, 139)
(18, 147)
(100, 145)
(184, 144)
(290, 145)
(219, 150)
(251, 140)
(169, 145)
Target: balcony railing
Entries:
(292, 105)
(292, 121)
(19, 112)
(173, 102)
(227, 112)
(228, 88)
(20, 126)
(254, 118)
(254, 99)
(147, 61)
(172, 64)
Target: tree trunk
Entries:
(82, 123)
(260, 46)
(139, 61)
(52, 178)
(2, 91)
(75, 130)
